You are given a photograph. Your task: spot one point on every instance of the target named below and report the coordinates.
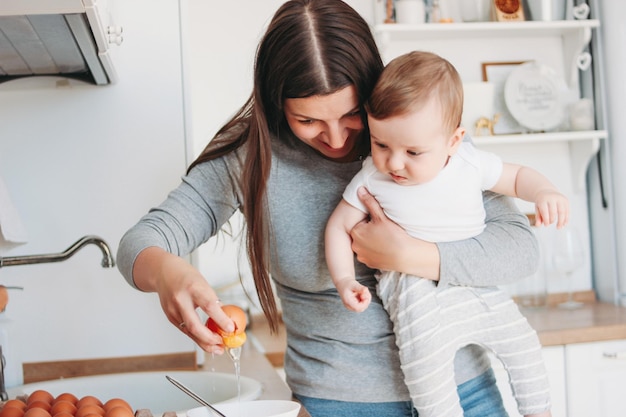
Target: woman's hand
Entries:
(181, 290)
(382, 244)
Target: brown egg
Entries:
(4, 297)
(15, 403)
(89, 409)
(38, 404)
(119, 411)
(116, 402)
(62, 405)
(236, 338)
(66, 396)
(11, 412)
(88, 400)
(63, 414)
(36, 412)
(40, 395)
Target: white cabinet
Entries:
(555, 364)
(596, 377)
(586, 379)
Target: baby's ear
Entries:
(455, 140)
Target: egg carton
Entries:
(144, 412)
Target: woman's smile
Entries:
(330, 124)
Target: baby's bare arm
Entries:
(338, 243)
(551, 206)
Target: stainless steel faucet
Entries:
(107, 259)
(107, 262)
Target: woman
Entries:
(284, 160)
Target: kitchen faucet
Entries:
(107, 259)
(107, 262)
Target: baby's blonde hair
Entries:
(410, 80)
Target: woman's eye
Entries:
(305, 122)
(354, 113)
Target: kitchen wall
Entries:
(84, 159)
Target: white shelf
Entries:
(574, 136)
(395, 31)
(575, 35)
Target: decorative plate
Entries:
(534, 95)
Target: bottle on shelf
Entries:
(435, 12)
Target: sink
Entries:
(151, 390)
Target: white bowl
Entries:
(152, 390)
(258, 408)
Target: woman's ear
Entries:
(455, 140)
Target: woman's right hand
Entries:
(182, 289)
(382, 244)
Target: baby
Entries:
(430, 182)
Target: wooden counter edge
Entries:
(595, 321)
(45, 371)
(582, 335)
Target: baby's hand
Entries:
(551, 206)
(355, 296)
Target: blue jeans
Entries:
(479, 398)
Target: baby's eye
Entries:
(381, 145)
(413, 153)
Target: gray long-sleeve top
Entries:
(331, 353)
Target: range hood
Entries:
(57, 37)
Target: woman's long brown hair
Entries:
(311, 47)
